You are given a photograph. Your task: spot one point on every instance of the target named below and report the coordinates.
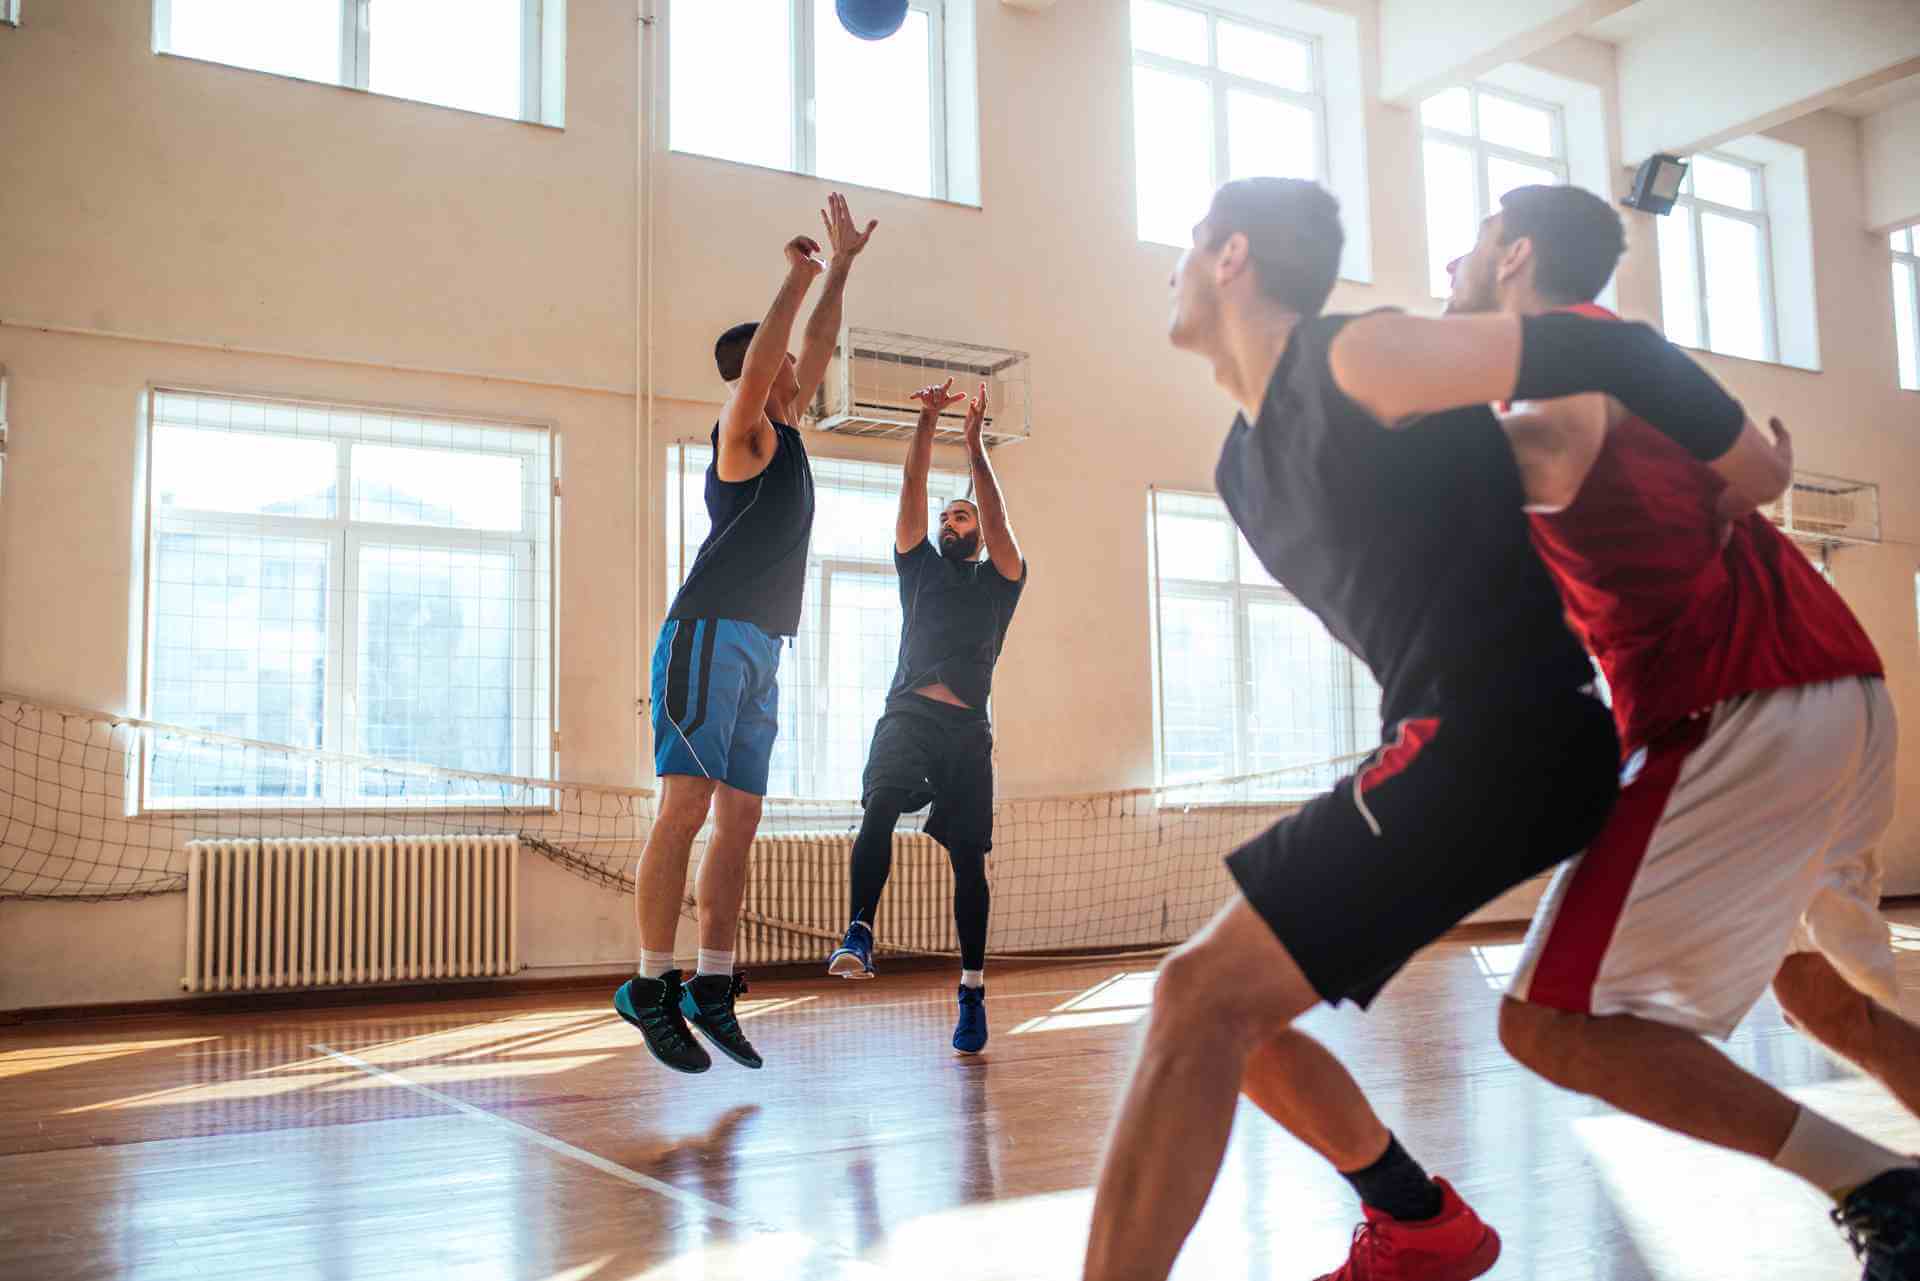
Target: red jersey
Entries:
(1677, 622)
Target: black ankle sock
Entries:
(1397, 1186)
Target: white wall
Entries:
(397, 253)
(1892, 140)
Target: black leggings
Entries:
(873, 861)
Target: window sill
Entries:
(837, 183)
(229, 806)
(1750, 360)
(362, 93)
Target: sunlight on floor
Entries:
(1683, 1201)
(45, 1058)
(1497, 963)
(1906, 938)
(1117, 1001)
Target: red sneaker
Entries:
(1454, 1245)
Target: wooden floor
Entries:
(533, 1138)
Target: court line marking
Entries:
(560, 1147)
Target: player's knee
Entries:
(1818, 1001)
(1201, 989)
(736, 813)
(1539, 1037)
(683, 807)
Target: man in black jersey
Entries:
(1406, 538)
(934, 742)
(714, 692)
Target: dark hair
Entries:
(1293, 236)
(730, 353)
(1577, 239)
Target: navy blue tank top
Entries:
(753, 566)
(1410, 545)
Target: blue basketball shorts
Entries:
(715, 701)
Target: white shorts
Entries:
(1747, 834)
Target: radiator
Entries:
(796, 903)
(266, 914)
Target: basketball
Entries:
(872, 19)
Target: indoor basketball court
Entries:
(737, 639)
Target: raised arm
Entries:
(1398, 367)
(823, 327)
(746, 436)
(910, 527)
(1003, 549)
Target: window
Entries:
(344, 579)
(488, 56)
(1477, 145)
(1906, 304)
(10, 12)
(834, 681)
(1215, 98)
(1247, 679)
(1716, 260)
(781, 83)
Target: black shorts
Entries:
(940, 753)
(1453, 811)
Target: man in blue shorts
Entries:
(714, 693)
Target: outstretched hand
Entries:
(976, 417)
(842, 232)
(938, 397)
(803, 254)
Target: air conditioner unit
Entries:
(1827, 510)
(869, 386)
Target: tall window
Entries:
(350, 580)
(781, 83)
(1906, 304)
(1477, 145)
(833, 682)
(1246, 677)
(478, 55)
(1217, 98)
(1716, 260)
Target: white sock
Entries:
(1832, 1157)
(714, 962)
(654, 964)
(973, 978)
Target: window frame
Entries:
(355, 62)
(1910, 257)
(1483, 151)
(1758, 218)
(1219, 83)
(1241, 597)
(803, 55)
(346, 538)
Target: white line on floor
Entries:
(711, 1209)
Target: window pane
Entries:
(1449, 109)
(1899, 240)
(1270, 138)
(457, 53)
(863, 648)
(1736, 319)
(1453, 209)
(1264, 55)
(1173, 153)
(441, 488)
(230, 471)
(1723, 183)
(732, 71)
(1170, 31)
(289, 37)
(436, 658)
(239, 646)
(1679, 281)
(1906, 325)
(1506, 123)
(1196, 672)
(1193, 547)
(1251, 570)
(873, 104)
(1504, 175)
(1295, 714)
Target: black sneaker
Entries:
(707, 1001)
(1882, 1221)
(653, 1006)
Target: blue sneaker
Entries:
(853, 959)
(653, 1006)
(707, 1002)
(970, 1033)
